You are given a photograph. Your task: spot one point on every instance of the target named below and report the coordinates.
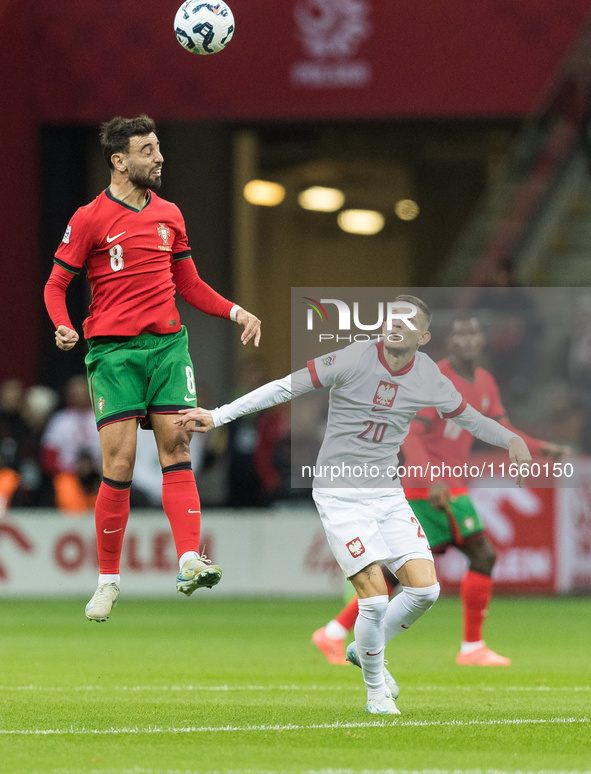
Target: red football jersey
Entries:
(444, 441)
(129, 255)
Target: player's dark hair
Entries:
(115, 134)
(464, 316)
(419, 304)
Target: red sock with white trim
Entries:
(111, 512)
(181, 504)
(475, 593)
(348, 615)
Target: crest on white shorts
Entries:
(385, 394)
(356, 547)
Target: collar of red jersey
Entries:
(110, 196)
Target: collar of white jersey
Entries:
(382, 358)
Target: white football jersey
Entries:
(370, 411)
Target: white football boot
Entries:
(382, 705)
(103, 601)
(352, 656)
(197, 573)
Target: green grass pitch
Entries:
(211, 685)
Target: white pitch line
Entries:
(493, 688)
(141, 770)
(287, 727)
(291, 688)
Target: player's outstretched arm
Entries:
(553, 451)
(200, 295)
(251, 325)
(439, 496)
(271, 394)
(191, 416)
(65, 338)
(493, 432)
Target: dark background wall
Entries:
(74, 63)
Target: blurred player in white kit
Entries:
(376, 388)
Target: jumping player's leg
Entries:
(180, 501)
(180, 498)
(476, 593)
(118, 442)
(171, 388)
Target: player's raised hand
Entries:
(556, 451)
(251, 325)
(190, 416)
(520, 457)
(65, 338)
(439, 496)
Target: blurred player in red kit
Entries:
(135, 249)
(446, 512)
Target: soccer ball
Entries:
(204, 28)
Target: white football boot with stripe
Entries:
(352, 656)
(197, 573)
(102, 602)
(382, 705)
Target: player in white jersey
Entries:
(376, 388)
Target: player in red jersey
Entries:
(445, 512)
(135, 249)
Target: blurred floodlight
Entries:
(361, 221)
(406, 209)
(264, 193)
(321, 199)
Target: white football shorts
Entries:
(380, 528)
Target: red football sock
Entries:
(475, 593)
(111, 512)
(181, 504)
(348, 614)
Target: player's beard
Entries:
(142, 180)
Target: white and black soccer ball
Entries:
(204, 28)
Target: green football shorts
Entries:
(444, 529)
(131, 377)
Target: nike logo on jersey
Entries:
(112, 239)
(375, 408)
(110, 531)
(189, 398)
(190, 511)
